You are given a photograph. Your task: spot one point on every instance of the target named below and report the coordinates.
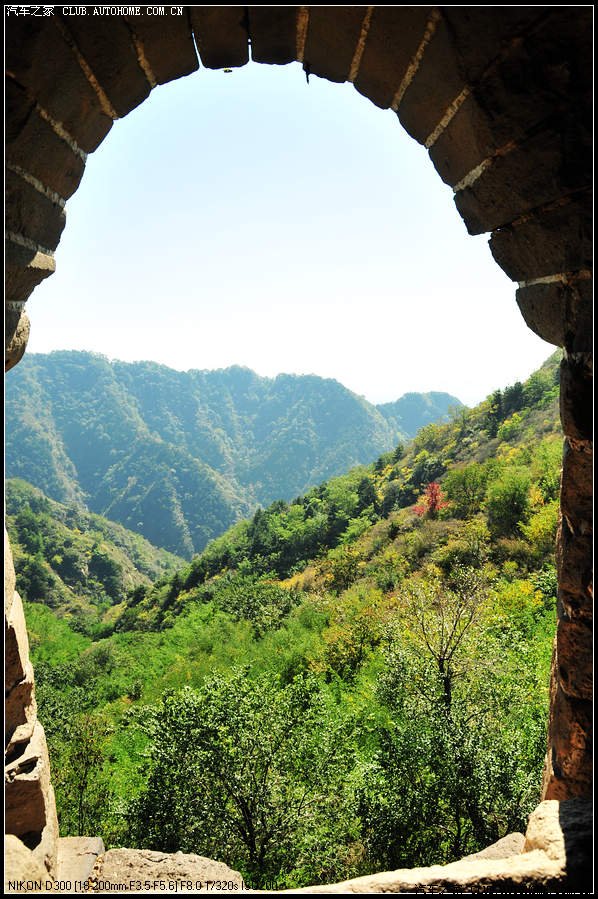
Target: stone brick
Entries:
(27, 780)
(564, 830)
(9, 575)
(34, 146)
(544, 76)
(221, 35)
(394, 36)
(24, 270)
(539, 171)
(463, 145)
(21, 866)
(574, 558)
(332, 36)
(479, 36)
(40, 59)
(577, 409)
(167, 44)
(16, 336)
(580, 318)
(109, 50)
(32, 214)
(543, 308)
(436, 83)
(20, 711)
(558, 239)
(574, 640)
(570, 747)
(273, 32)
(16, 645)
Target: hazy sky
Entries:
(251, 218)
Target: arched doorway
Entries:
(500, 98)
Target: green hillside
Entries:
(78, 564)
(181, 456)
(352, 681)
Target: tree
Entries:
(507, 501)
(465, 488)
(432, 502)
(240, 769)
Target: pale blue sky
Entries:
(250, 218)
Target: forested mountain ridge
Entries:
(373, 655)
(181, 456)
(79, 564)
(305, 650)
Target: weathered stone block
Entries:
(555, 240)
(40, 59)
(9, 576)
(574, 642)
(35, 147)
(108, 49)
(27, 781)
(221, 35)
(543, 308)
(576, 486)
(577, 403)
(16, 335)
(21, 866)
(463, 145)
(436, 83)
(570, 747)
(32, 214)
(479, 36)
(167, 44)
(16, 645)
(273, 32)
(394, 36)
(541, 77)
(332, 36)
(537, 172)
(564, 831)
(20, 711)
(24, 269)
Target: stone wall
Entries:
(502, 99)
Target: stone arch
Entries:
(502, 99)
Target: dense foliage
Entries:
(355, 680)
(180, 456)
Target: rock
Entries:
(20, 713)
(563, 831)
(77, 857)
(30, 810)
(22, 868)
(510, 845)
(16, 644)
(122, 868)
(9, 575)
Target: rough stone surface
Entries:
(434, 87)
(32, 214)
(394, 36)
(21, 865)
(108, 49)
(332, 36)
(464, 144)
(564, 830)
(20, 713)
(508, 846)
(25, 269)
(576, 400)
(123, 866)
(543, 306)
(39, 58)
(555, 240)
(16, 644)
(273, 32)
(77, 857)
(534, 173)
(220, 35)
(167, 44)
(9, 575)
(30, 808)
(17, 330)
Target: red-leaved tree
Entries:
(432, 501)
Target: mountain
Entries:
(380, 645)
(181, 456)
